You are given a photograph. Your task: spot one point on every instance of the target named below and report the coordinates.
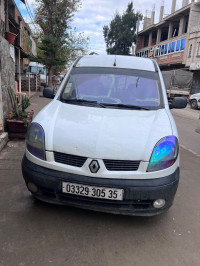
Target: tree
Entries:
(57, 43)
(121, 33)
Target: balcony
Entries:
(167, 52)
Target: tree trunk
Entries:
(50, 84)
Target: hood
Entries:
(103, 133)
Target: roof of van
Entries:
(121, 61)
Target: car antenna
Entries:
(115, 62)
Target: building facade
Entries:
(16, 46)
(175, 40)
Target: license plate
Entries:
(92, 191)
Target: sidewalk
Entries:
(37, 103)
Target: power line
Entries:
(30, 14)
(26, 3)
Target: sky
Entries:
(94, 14)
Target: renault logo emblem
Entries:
(94, 166)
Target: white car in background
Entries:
(195, 101)
(107, 141)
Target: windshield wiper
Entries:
(127, 106)
(74, 101)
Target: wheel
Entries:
(193, 104)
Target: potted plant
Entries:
(10, 37)
(19, 119)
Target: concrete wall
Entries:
(7, 75)
(193, 36)
(173, 58)
(2, 18)
(1, 105)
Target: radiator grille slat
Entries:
(121, 165)
(111, 165)
(69, 159)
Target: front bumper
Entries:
(138, 194)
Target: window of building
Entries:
(178, 45)
(162, 49)
(157, 53)
(173, 47)
(198, 49)
(183, 44)
(169, 47)
(186, 25)
(190, 51)
(165, 50)
(164, 34)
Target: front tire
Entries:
(193, 104)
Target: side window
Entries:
(68, 88)
(41, 70)
(33, 69)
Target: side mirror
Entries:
(48, 92)
(178, 103)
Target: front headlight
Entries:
(164, 154)
(35, 141)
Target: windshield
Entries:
(113, 87)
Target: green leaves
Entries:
(18, 109)
(57, 43)
(121, 33)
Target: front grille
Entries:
(121, 165)
(69, 159)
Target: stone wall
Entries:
(7, 74)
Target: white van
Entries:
(107, 141)
(34, 68)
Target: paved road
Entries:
(40, 234)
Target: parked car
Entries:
(107, 141)
(195, 101)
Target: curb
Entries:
(3, 140)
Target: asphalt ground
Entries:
(187, 121)
(36, 233)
